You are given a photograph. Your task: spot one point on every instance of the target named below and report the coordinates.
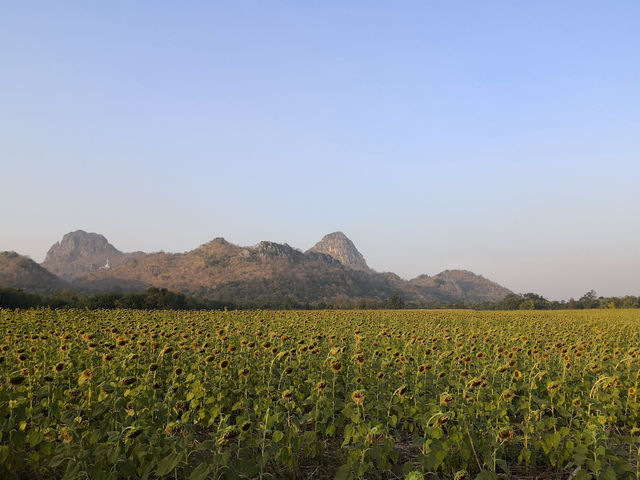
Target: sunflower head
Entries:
(336, 366)
(446, 399)
(358, 397)
(17, 380)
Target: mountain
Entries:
(220, 270)
(461, 285)
(80, 253)
(338, 246)
(21, 272)
(266, 273)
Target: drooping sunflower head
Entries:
(336, 366)
(442, 420)
(128, 381)
(446, 399)
(17, 380)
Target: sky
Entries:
(502, 137)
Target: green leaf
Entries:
(486, 475)
(277, 436)
(4, 454)
(167, 465)
(201, 472)
(393, 421)
(415, 475)
(608, 474)
(35, 437)
(343, 473)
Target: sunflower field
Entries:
(332, 394)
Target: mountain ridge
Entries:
(220, 270)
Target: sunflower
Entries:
(552, 386)
(358, 397)
(17, 380)
(517, 374)
(336, 366)
(446, 399)
(400, 391)
(508, 395)
(223, 364)
(136, 432)
(442, 420)
(506, 434)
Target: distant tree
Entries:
(589, 300)
(395, 301)
(64, 298)
(527, 305)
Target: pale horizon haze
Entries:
(501, 137)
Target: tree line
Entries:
(533, 301)
(162, 299)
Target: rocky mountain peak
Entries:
(79, 253)
(266, 250)
(338, 246)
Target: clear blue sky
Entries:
(500, 137)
